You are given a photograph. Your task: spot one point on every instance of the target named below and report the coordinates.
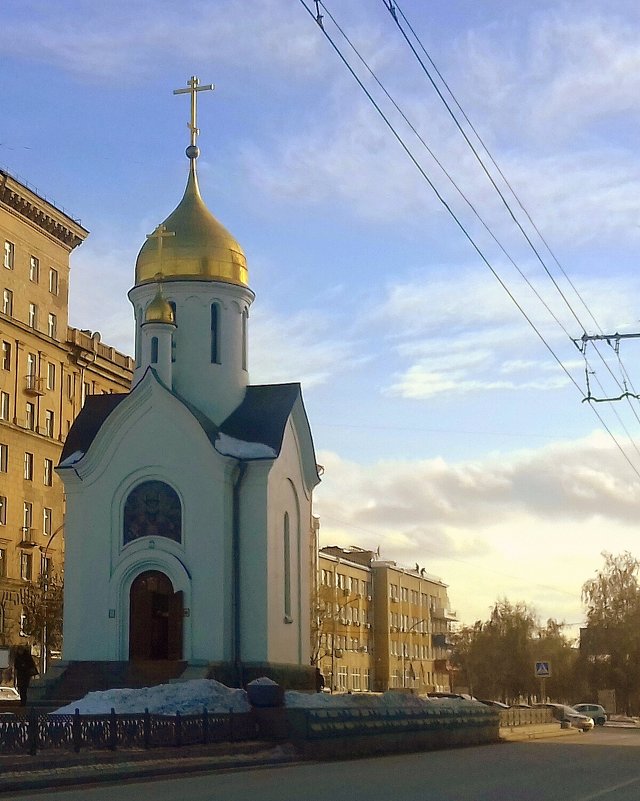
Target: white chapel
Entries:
(188, 518)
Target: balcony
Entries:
(28, 537)
(33, 385)
(442, 613)
(441, 641)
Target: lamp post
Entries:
(408, 631)
(45, 588)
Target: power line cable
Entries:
(391, 7)
(317, 17)
(421, 139)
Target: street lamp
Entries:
(45, 588)
(408, 631)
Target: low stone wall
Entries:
(338, 733)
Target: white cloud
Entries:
(505, 525)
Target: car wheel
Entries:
(600, 721)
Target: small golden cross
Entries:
(159, 234)
(193, 86)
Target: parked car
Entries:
(9, 694)
(496, 704)
(567, 714)
(594, 711)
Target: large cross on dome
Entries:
(193, 87)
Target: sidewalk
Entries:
(20, 772)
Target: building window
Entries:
(6, 355)
(9, 255)
(355, 679)
(27, 517)
(343, 677)
(48, 472)
(245, 317)
(47, 521)
(3, 573)
(48, 422)
(152, 509)
(26, 570)
(34, 269)
(3, 510)
(33, 315)
(215, 333)
(286, 542)
(51, 375)
(46, 565)
(86, 391)
(4, 405)
(30, 417)
(366, 679)
(154, 350)
(53, 281)
(4, 457)
(52, 326)
(70, 386)
(7, 302)
(28, 466)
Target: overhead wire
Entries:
(318, 19)
(392, 7)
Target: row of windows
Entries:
(28, 465)
(27, 517)
(52, 320)
(34, 267)
(26, 565)
(215, 339)
(404, 623)
(412, 650)
(405, 595)
(32, 380)
(29, 421)
(343, 582)
(347, 613)
(346, 643)
(359, 681)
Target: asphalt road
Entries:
(603, 765)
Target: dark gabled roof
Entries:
(263, 414)
(260, 418)
(95, 411)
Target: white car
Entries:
(567, 714)
(9, 694)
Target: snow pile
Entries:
(262, 681)
(372, 701)
(186, 697)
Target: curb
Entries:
(69, 775)
(545, 731)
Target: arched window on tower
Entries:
(215, 333)
(154, 350)
(173, 337)
(245, 316)
(152, 509)
(286, 544)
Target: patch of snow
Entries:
(72, 459)
(186, 697)
(262, 680)
(229, 446)
(293, 698)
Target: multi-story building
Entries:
(380, 621)
(46, 371)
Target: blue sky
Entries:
(449, 434)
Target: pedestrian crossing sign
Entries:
(543, 670)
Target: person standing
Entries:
(24, 669)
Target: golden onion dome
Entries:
(192, 245)
(159, 310)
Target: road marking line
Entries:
(603, 793)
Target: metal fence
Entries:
(524, 717)
(38, 731)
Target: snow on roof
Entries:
(72, 459)
(191, 697)
(230, 446)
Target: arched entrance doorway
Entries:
(155, 618)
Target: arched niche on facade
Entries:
(152, 509)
